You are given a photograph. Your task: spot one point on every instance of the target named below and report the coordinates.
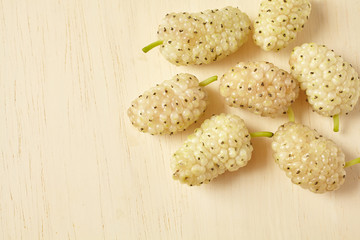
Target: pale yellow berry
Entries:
(169, 107)
(204, 37)
(279, 21)
(332, 85)
(259, 87)
(308, 159)
(206, 153)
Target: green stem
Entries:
(291, 114)
(151, 46)
(336, 122)
(208, 81)
(352, 162)
(261, 134)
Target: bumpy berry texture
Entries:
(202, 38)
(221, 143)
(259, 87)
(169, 107)
(309, 159)
(279, 21)
(332, 85)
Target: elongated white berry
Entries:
(169, 107)
(279, 21)
(204, 37)
(221, 143)
(332, 85)
(308, 159)
(259, 87)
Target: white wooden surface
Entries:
(73, 167)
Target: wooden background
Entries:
(73, 167)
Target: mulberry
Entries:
(171, 106)
(259, 87)
(221, 143)
(332, 85)
(201, 38)
(279, 21)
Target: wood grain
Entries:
(73, 167)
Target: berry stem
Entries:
(336, 122)
(291, 115)
(261, 134)
(352, 162)
(151, 46)
(208, 81)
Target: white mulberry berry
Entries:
(169, 107)
(332, 85)
(309, 159)
(221, 143)
(259, 87)
(202, 38)
(279, 21)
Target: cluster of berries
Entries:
(223, 142)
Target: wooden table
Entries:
(73, 167)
